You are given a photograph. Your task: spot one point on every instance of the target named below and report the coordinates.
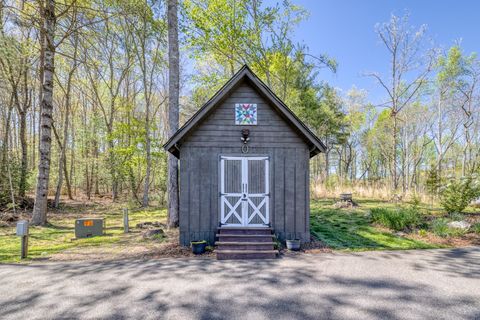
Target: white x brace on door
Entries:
(244, 191)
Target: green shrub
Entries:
(11, 172)
(397, 219)
(458, 194)
(455, 216)
(422, 232)
(434, 182)
(440, 228)
(476, 227)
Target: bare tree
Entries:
(409, 68)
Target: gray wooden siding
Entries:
(218, 135)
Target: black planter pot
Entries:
(198, 247)
(293, 245)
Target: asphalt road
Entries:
(426, 284)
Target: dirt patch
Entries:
(174, 250)
(315, 246)
(130, 247)
(10, 219)
(345, 204)
(101, 253)
(470, 239)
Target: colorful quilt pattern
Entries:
(246, 114)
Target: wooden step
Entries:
(245, 237)
(246, 254)
(244, 230)
(221, 245)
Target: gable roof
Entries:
(316, 146)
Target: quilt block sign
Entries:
(245, 113)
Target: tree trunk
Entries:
(62, 163)
(173, 110)
(113, 172)
(394, 153)
(24, 162)
(6, 136)
(149, 158)
(41, 196)
(62, 159)
(22, 118)
(95, 167)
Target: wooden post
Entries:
(125, 220)
(24, 249)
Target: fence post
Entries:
(125, 220)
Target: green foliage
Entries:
(452, 67)
(416, 202)
(433, 182)
(351, 230)
(422, 232)
(456, 216)
(332, 181)
(397, 219)
(476, 228)
(322, 111)
(458, 194)
(224, 35)
(10, 170)
(440, 228)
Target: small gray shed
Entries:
(244, 162)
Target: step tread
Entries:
(246, 251)
(240, 243)
(245, 228)
(245, 235)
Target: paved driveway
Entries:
(428, 284)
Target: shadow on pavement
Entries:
(304, 287)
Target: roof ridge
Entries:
(245, 70)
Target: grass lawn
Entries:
(59, 235)
(339, 229)
(350, 229)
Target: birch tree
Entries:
(39, 215)
(173, 109)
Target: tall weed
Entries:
(401, 219)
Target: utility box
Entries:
(22, 228)
(89, 227)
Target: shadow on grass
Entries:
(58, 226)
(352, 230)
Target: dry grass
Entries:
(380, 192)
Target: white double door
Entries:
(244, 191)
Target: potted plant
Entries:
(293, 244)
(198, 247)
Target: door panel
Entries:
(256, 176)
(232, 207)
(244, 191)
(233, 176)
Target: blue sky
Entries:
(344, 29)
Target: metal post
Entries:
(22, 231)
(125, 220)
